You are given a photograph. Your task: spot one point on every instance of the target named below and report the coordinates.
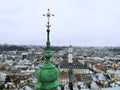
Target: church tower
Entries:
(70, 56)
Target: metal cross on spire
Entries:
(48, 15)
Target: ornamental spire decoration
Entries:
(48, 73)
(48, 15)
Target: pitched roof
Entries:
(76, 64)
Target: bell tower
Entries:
(70, 55)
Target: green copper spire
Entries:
(47, 74)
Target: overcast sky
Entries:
(76, 22)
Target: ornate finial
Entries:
(48, 15)
(47, 73)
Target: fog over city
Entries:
(76, 22)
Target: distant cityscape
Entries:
(87, 33)
(81, 68)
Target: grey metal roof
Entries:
(86, 78)
(75, 65)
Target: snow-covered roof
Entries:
(2, 76)
(9, 62)
(113, 88)
(27, 88)
(100, 76)
(98, 58)
(94, 78)
(24, 53)
(117, 72)
(27, 71)
(20, 66)
(93, 84)
(117, 82)
(110, 71)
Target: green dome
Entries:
(46, 73)
(47, 77)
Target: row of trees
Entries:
(115, 49)
(12, 48)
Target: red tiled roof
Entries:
(78, 77)
(91, 62)
(100, 67)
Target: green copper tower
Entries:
(48, 73)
